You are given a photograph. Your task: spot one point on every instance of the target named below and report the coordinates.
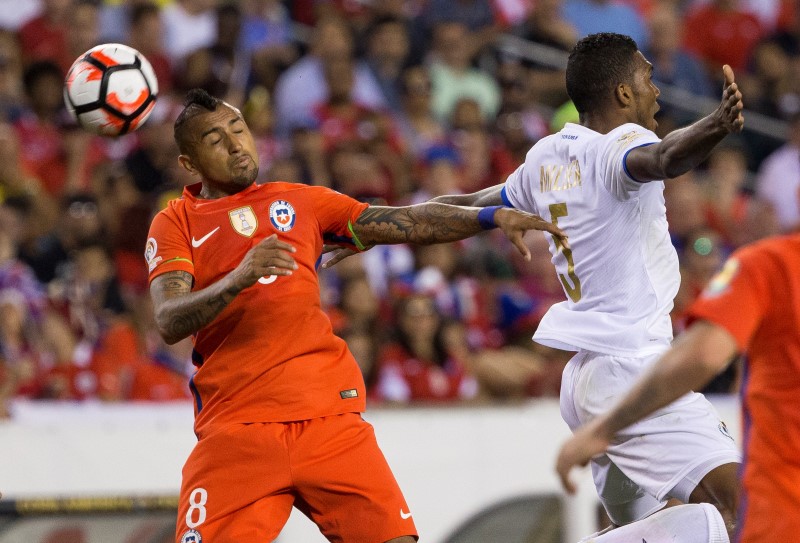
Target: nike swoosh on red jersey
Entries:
(198, 242)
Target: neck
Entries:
(604, 122)
(210, 192)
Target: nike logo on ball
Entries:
(404, 515)
(198, 242)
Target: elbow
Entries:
(673, 166)
(165, 331)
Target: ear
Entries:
(187, 164)
(623, 93)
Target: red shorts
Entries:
(240, 483)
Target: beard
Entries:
(247, 177)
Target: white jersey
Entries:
(621, 274)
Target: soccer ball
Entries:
(111, 89)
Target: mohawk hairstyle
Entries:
(596, 65)
(197, 101)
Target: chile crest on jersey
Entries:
(282, 215)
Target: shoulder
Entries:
(282, 186)
(778, 248)
(629, 132)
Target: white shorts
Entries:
(663, 456)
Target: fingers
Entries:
(732, 102)
(566, 481)
(338, 257)
(516, 239)
(728, 73)
(271, 256)
(273, 241)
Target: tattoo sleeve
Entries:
(179, 312)
(422, 224)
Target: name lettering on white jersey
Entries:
(555, 177)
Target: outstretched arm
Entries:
(432, 222)
(683, 149)
(483, 198)
(179, 312)
(696, 357)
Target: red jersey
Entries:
(756, 297)
(270, 355)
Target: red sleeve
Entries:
(167, 247)
(737, 298)
(335, 212)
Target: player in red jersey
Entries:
(753, 307)
(278, 396)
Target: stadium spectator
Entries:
(478, 17)
(79, 224)
(19, 354)
(46, 149)
(162, 377)
(592, 16)
(302, 86)
(721, 32)
(11, 92)
(14, 15)
(779, 180)
(220, 68)
(146, 35)
(726, 201)
(84, 29)
(268, 39)
(420, 129)
(484, 159)
(15, 275)
(387, 53)
(671, 63)
(427, 360)
(188, 25)
(44, 38)
(453, 77)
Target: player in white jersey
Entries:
(600, 181)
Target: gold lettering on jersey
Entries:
(244, 221)
(556, 177)
(628, 137)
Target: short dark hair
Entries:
(197, 101)
(597, 64)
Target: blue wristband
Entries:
(486, 217)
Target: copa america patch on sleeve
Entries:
(191, 536)
(350, 393)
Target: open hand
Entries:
(731, 107)
(269, 257)
(577, 451)
(514, 223)
(339, 254)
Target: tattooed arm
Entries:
(179, 312)
(436, 223)
(484, 198)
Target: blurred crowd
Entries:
(389, 101)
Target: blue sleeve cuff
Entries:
(625, 158)
(504, 197)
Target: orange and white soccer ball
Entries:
(111, 89)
